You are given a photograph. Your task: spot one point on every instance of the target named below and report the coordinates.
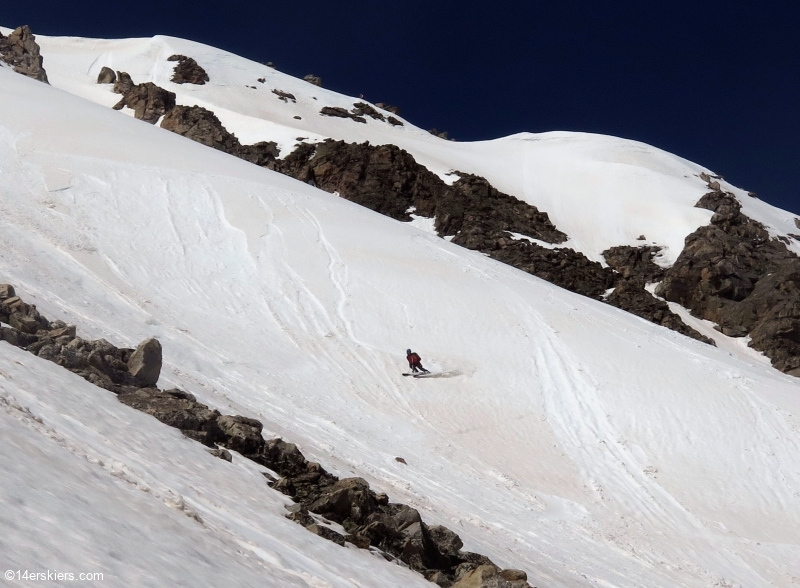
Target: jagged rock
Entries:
(148, 101)
(312, 79)
(106, 76)
(564, 267)
(364, 109)
(438, 133)
(339, 112)
(630, 295)
(349, 498)
(635, 262)
(23, 323)
(284, 96)
(242, 434)
(400, 460)
(20, 51)
(445, 540)
(187, 71)
(124, 83)
(731, 273)
(145, 363)
(264, 153)
(201, 125)
(388, 108)
(327, 533)
(394, 121)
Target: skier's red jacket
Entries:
(413, 359)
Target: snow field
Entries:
(578, 442)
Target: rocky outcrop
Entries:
(148, 101)
(312, 79)
(339, 112)
(732, 273)
(369, 518)
(635, 262)
(187, 71)
(630, 295)
(472, 212)
(99, 362)
(20, 51)
(201, 125)
(107, 76)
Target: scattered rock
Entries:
(284, 96)
(187, 71)
(20, 51)
(394, 121)
(440, 134)
(364, 109)
(262, 80)
(145, 363)
(106, 76)
(401, 460)
(312, 79)
(339, 112)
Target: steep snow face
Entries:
(602, 191)
(570, 439)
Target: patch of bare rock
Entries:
(148, 101)
(732, 273)
(370, 519)
(21, 52)
(187, 71)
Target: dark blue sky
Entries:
(714, 82)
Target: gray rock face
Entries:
(148, 101)
(106, 76)
(20, 51)
(124, 83)
(187, 71)
(145, 363)
(201, 125)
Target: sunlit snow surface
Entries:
(577, 442)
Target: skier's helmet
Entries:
(408, 352)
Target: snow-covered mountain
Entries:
(569, 439)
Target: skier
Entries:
(415, 362)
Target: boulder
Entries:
(445, 540)
(16, 338)
(23, 323)
(223, 454)
(106, 76)
(20, 51)
(284, 96)
(145, 363)
(312, 79)
(7, 291)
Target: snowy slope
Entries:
(623, 188)
(575, 441)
